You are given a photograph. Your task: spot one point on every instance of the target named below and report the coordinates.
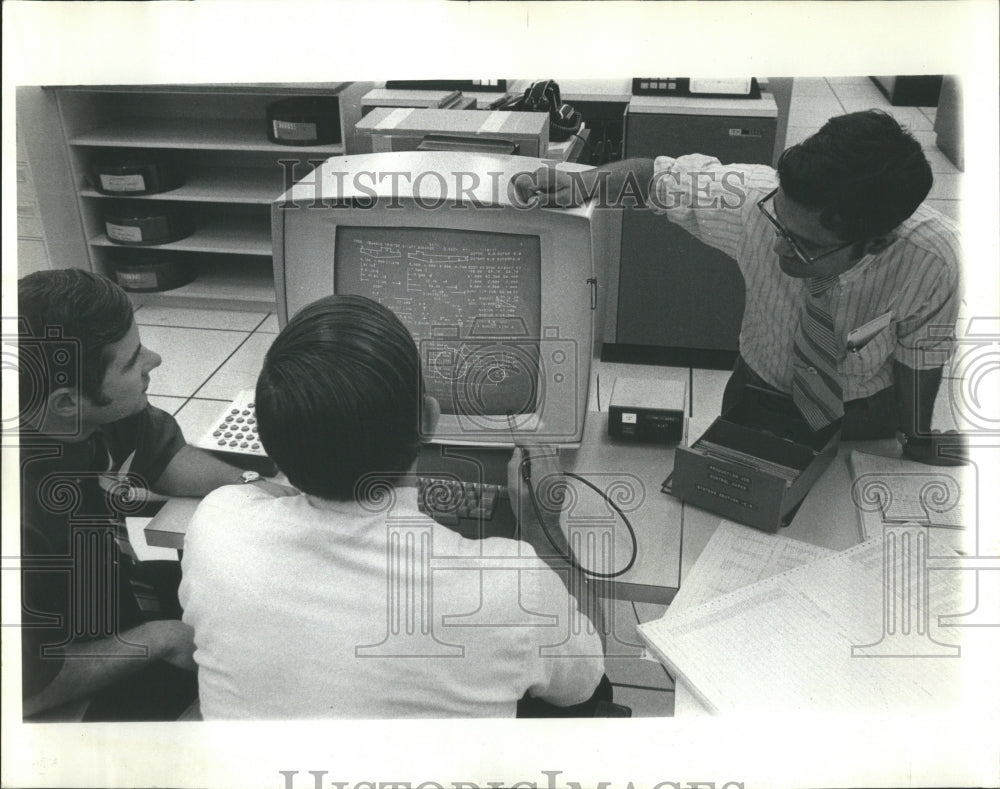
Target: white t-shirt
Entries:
(305, 608)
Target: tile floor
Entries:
(209, 355)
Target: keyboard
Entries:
(442, 494)
(451, 501)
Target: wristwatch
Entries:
(250, 476)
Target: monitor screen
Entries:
(502, 299)
(471, 300)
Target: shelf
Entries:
(227, 237)
(246, 186)
(195, 134)
(223, 286)
(217, 137)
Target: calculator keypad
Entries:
(235, 429)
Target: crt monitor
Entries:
(504, 301)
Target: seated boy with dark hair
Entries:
(328, 604)
(101, 630)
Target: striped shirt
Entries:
(899, 304)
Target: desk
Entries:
(622, 469)
(826, 518)
(168, 526)
(631, 475)
(628, 473)
(670, 535)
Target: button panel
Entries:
(235, 430)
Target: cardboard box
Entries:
(403, 128)
(755, 463)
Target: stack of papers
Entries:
(841, 632)
(891, 491)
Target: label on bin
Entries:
(294, 130)
(126, 233)
(144, 280)
(123, 183)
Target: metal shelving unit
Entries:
(216, 137)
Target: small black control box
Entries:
(647, 411)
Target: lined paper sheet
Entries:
(737, 556)
(806, 640)
(896, 490)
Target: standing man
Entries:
(97, 624)
(852, 284)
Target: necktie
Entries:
(816, 385)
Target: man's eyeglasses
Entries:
(783, 234)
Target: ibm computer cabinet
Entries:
(678, 300)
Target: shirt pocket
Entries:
(872, 356)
